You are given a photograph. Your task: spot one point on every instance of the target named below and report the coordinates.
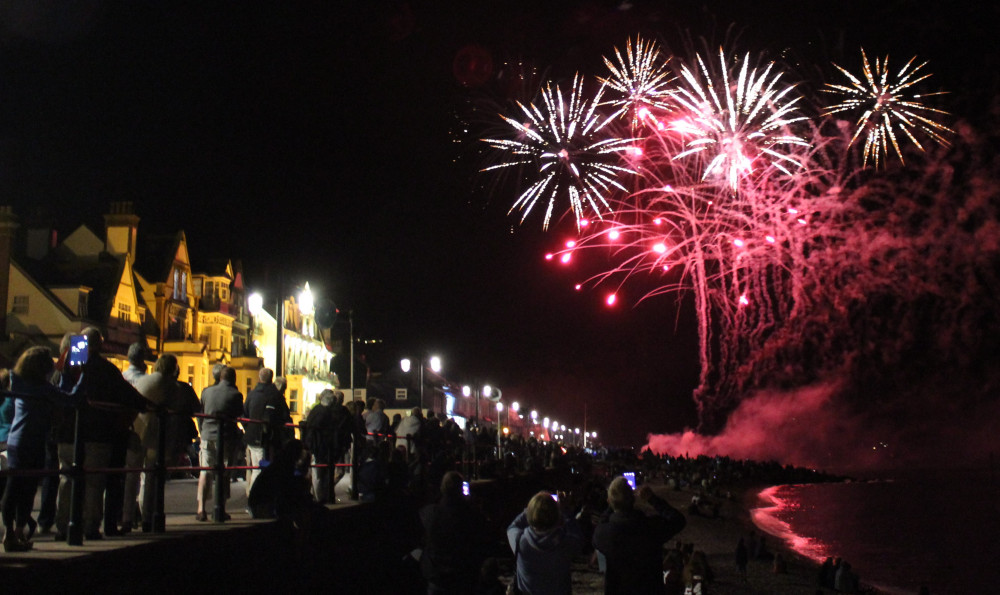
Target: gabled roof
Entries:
(157, 254)
(82, 242)
(103, 275)
(213, 267)
(41, 287)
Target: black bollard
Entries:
(74, 533)
(219, 512)
(159, 521)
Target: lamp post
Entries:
(514, 408)
(435, 363)
(499, 432)
(485, 391)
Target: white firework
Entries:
(570, 144)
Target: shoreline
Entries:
(718, 538)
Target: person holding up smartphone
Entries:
(632, 542)
(33, 413)
(544, 542)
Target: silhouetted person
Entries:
(742, 557)
(632, 542)
(225, 400)
(455, 541)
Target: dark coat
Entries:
(320, 432)
(455, 543)
(633, 545)
(104, 383)
(265, 402)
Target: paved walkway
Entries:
(180, 506)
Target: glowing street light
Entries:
(256, 303)
(435, 363)
(306, 303)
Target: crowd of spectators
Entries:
(413, 465)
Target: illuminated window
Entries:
(124, 312)
(293, 401)
(20, 304)
(191, 374)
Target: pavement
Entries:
(56, 561)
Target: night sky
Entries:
(326, 142)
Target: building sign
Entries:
(400, 394)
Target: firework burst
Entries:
(741, 120)
(639, 79)
(566, 139)
(886, 106)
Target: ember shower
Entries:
(797, 245)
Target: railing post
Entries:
(159, 520)
(219, 512)
(354, 469)
(74, 532)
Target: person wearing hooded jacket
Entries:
(544, 544)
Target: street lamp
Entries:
(499, 448)
(306, 302)
(435, 363)
(485, 391)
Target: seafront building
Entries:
(147, 290)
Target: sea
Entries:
(904, 530)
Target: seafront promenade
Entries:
(351, 547)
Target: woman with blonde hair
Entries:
(544, 542)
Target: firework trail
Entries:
(570, 144)
(885, 104)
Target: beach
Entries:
(717, 537)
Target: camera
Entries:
(78, 350)
(465, 488)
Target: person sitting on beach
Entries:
(780, 566)
(846, 580)
(673, 572)
(632, 542)
(697, 574)
(741, 560)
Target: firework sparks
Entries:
(567, 140)
(885, 105)
(639, 79)
(738, 123)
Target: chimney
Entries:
(39, 241)
(8, 227)
(120, 229)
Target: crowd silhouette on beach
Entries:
(596, 505)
